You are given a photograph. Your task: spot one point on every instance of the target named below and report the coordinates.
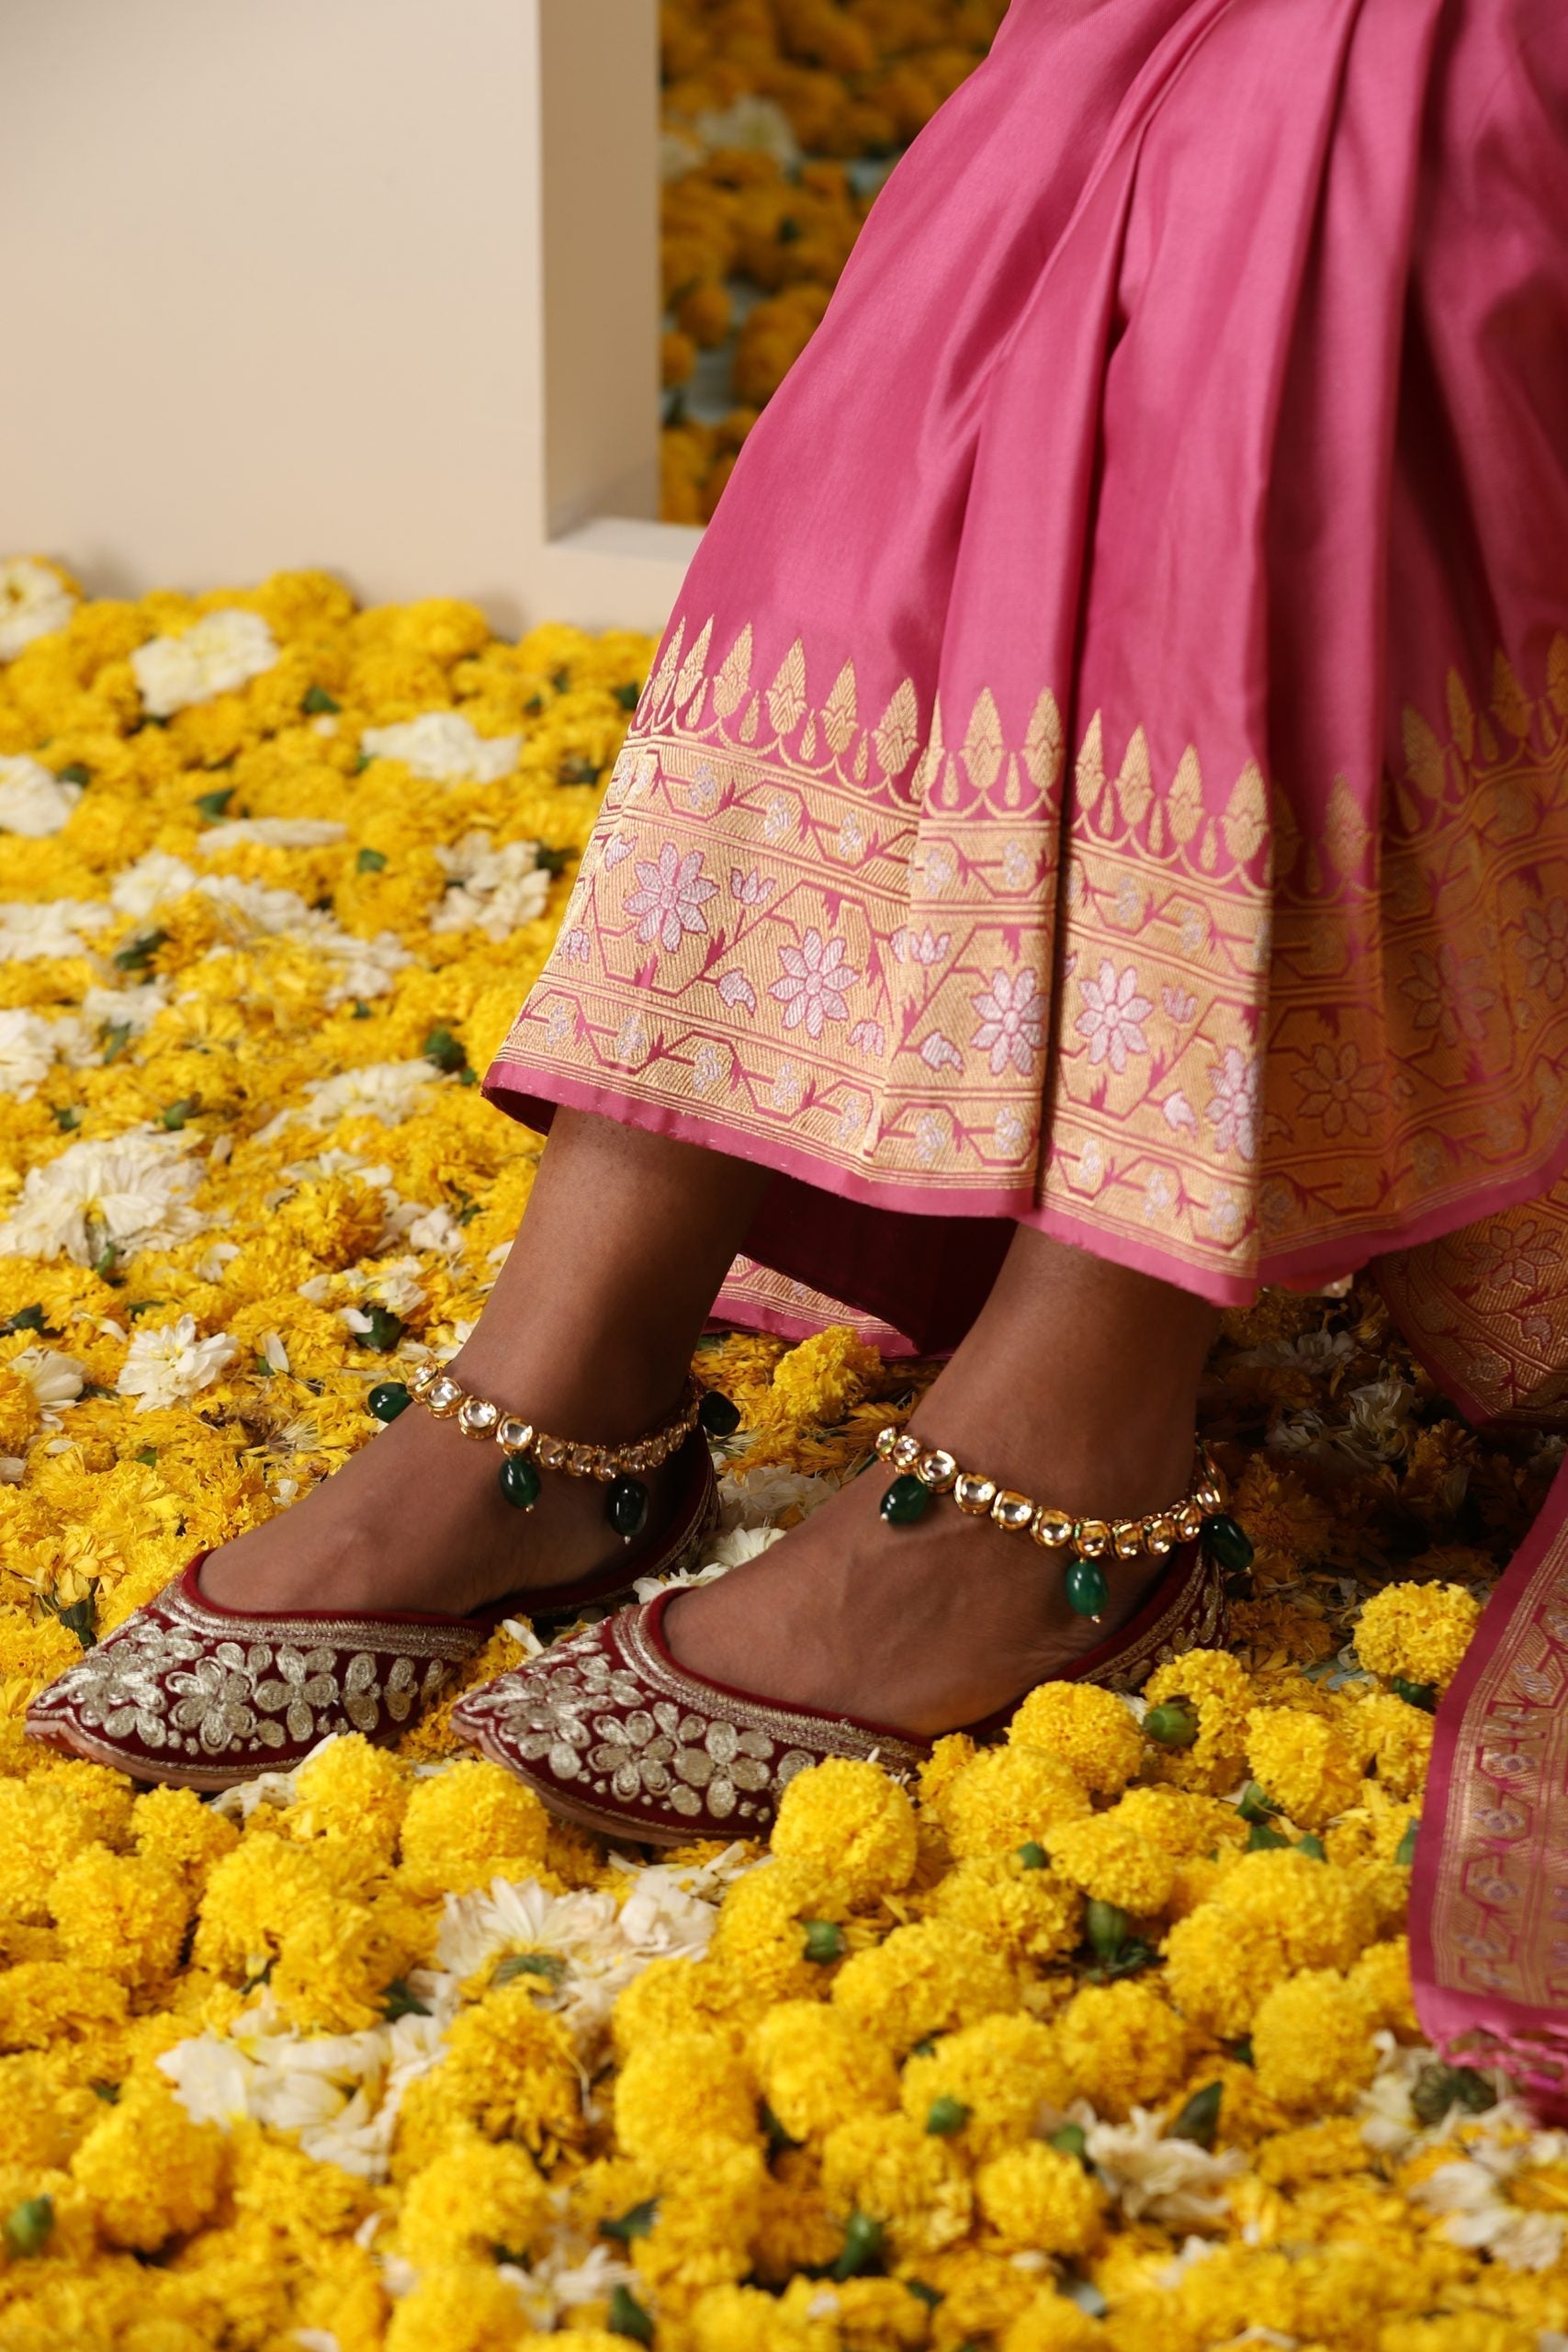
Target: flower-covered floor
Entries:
(1103, 2037)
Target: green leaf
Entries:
(386, 1331)
(637, 2222)
(67, 1118)
(103, 1264)
(467, 1077)
(25, 1318)
(1313, 1846)
(1253, 1805)
(778, 2139)
(1105, 1927)
(27, 2227)
(628, 696)
(1174, 1725)
(370, 861)
(824, 1941)
(175, 1115)
(75, 772)
(1199, 2119)
(108, 2092)
(213, 804)
(789, 230)
(144, 1306)
(1439, 2087)
(360, 764)
(551, 860)
(946, 2115)
(317, 700)
(930, 2296)
(533, 707)
(561, 680)
(149, 1454)
(861, 2249)
(361, 1010)
(1033, 1857)
(547, 1964)
(1241, 2051)
(1072, 2140)
(1261, 1837)
(442, 1048)
(78, 1620)
(263, 1369)
(1405, 1849)
(578, 771)
(141, 952)
(117, 1035)
(625, 2316)
(1416, 1694)
(1132, 1958)
(399, 2002)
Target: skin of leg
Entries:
(1076, 1384)
(589, 1332)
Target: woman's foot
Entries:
(1077, 1387)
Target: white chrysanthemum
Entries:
(494, 891)
(35, 600)
(33, 800)
(30, 931)
(167, 1365)
(275, 832)
(54, 1379)
(270, 1345)
(1175, 2182)
(27, 1047)
(133, 1007)
(152, 880)
(133, 1193)
(443, 748)
(250, 910)
(759, 126)
(1472, 2193)
(217, 653)
(759, 1497)
(436, 1230)
(393, 1283)
(364, 967)
(386, 1091)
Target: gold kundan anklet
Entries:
(529, 1450)
(924, 1471)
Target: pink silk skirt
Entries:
(1107, 768)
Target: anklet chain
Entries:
(529, 1450)
(924, 1471)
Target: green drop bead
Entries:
(388, 1399)
(625, 1507)
(904, 1502)
(520, 1481)
(1229, 1543)
(1087, 1588)
(718, 1414)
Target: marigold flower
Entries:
(1385, 1730)
(1312, 2041)
(948, 1757)
(173, 1826)
(470, 1822)
(1092, 1731)
(817, 1382)
(459, 2307)
(900, 2176)
(1053, 2323)
(675, 1994)
(1217, 1686)
(1111, 1862)
(149, 2172)
(348, 1789)
(1029, 1914)
(1382, 1975)
(1314, 2151)
(1417, 1631)
(42, 1828)
(704, 2218)
(1302, 1762)
(744, 2319)
(478, 2195)
(1182, 1823)
(851, 1823)
(1005, 1797)
(42, 2001)
(671, 2092)
(509, 2070)
(1036, 2196)
(761, 1937)
(1003, 2071)
(923, 1979)
(1218, 1967)
(121, 1914)
(1122, 2045)
(816, 2071)
(1318, 1910)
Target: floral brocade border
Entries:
(1165, 1010)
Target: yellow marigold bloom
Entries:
(1002, 2071)
(1053, 2323)
(898, 2173)
(1386, 1730)
(334, 1945)
(1030, 1915)
(1110, 1862)
(348, 1789)
(707, 2211)
(478, 2195)
(459, 2307)
(469, 1824)
(759, 1940)
(1123, 2045)
(288, 2190)
(1474, 2331)
(1312, 2042)
(816, 1384)
(120, 1913)
(42, 2000)
(1092, 1731)
(42, 2117)
(1037, 2197)
(1182, 1823)
(671, 2092)
(1320, 1913)
(510, 2069)
(745, 2319)
(1218, 1966)
(924, 1979)
(949, 1754)
(795, 2230)
(149, 2172)
(1303, 1763)
(673, 1995)
(173, 1826)
(42, 1828)
(1382, 1976)
(852, 1823)
(1005, 1797)
(1218, 1688)
(20, 1412)
(1417, 1631)
(1315, 2152)
(816, 2071)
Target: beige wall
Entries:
(364, 283)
